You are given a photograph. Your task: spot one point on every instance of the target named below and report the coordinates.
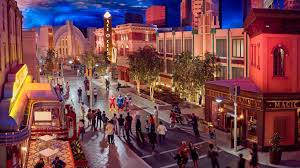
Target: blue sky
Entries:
(89, 13)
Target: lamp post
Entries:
(235, 91)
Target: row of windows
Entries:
(237, 73)
(237, 48)
(177, 46)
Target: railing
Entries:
(13, 138)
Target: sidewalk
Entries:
(289, 159)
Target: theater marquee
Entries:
(108, 35)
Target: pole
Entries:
(91, 89)
(235, 120)
(62, 71)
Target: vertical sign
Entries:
(108, 35)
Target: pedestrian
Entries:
(213, 155)
(195, 125)
(115, 122)
(138, 128)
(118, 87)
(152, 140)
(147, 127)
(126, 103)
(88, 94)
(161, 130)
(57, 163)
(194, 155)
(183, 152)
(67, 87)
(156, 114)
(104, 120)
(120, 102)
(152, 122)
(81, 129)
(82, 109)
(200, 100)
(99, 117)
(178, 160)
(95, 94)
(112, 103)
(89, 117)
(242, 161)
(79, 93)
(94, 120)
(254, 156)
(172, 119)
(109, 131)
(127, 131)
(40, 163)
(121, 126)
(107, 83)
(129, 120)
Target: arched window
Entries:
(278, 61)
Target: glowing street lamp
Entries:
(219, 100)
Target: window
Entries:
(161, 46)
(237, 73)
(221, 47)
(146, 37)
(169, 46)
(3, 17)
(178, 46)
(278, 62)
(281, 125)
(238, 48)
(188, 45)
(222, 73)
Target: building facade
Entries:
(171, 43)
(230, 46)
(126, 39)
(10, 38)
(269, 100)
(67, 40)
(156, 15)
(30, 54)
(292, 4)
(185, 13)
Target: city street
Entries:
(135, 154)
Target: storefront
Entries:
(259, 115)
(220, 110)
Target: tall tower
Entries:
(185, 12)
(108, 35)
(70, 38)
(292, 4)
(249, 4)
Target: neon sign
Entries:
(108, 35)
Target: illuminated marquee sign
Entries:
(20, 77)
(289, 104)
(108, 35)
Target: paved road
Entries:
(100, 154)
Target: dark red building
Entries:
(270, 99)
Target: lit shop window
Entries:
(238, 48)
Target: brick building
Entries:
(156, 15)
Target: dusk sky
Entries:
(89, 13)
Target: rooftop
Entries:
(245, 84)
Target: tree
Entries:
(190, 73)
(183, 71)
(96, 62)
(152, 67)
(137, 68)
(50, 61)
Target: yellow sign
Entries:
(20, 77)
